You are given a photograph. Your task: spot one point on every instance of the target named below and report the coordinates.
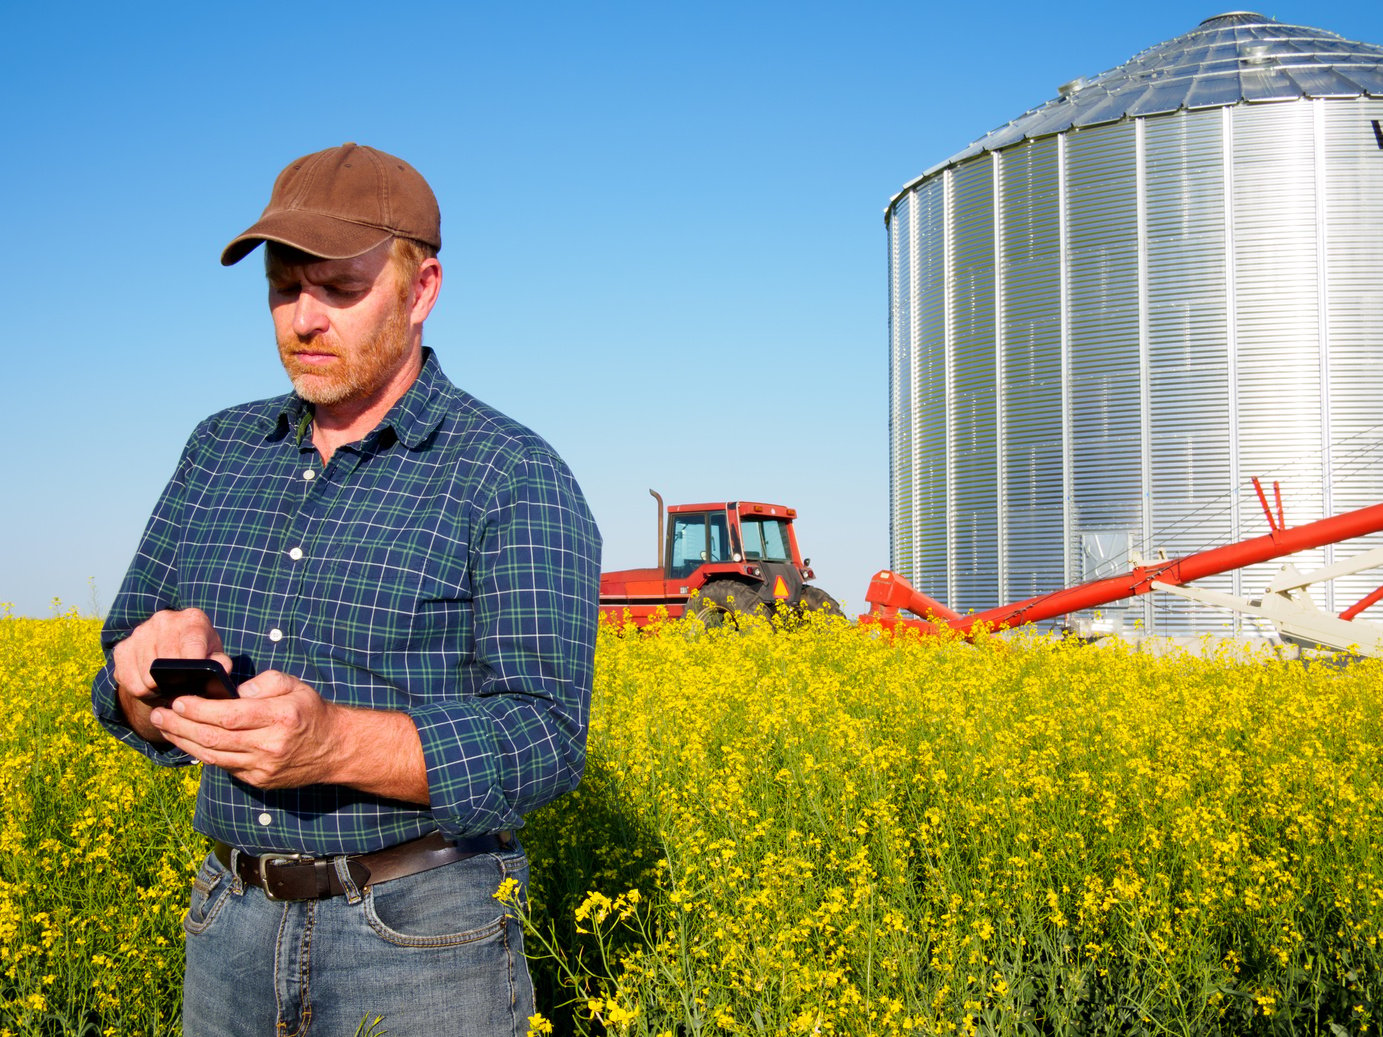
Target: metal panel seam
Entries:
(1231, 335)
(914, 368)
(1140, 174)
(893, 351)
(1068, 560)
(1323, 326)
(1001, 523)
(948, 317)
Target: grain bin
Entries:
(1109, 314)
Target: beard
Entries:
(357, 372)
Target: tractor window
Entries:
(765, 540)
(697, 537)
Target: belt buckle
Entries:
(266, 859)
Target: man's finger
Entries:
(227, 759)
(194, 634)
(193, 646)
(194, 643)
(225, 714)
(269, 684)
(187, 720)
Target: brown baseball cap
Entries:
(342, 202)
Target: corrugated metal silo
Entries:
(1107, 315)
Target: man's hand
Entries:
(280, 733)
(177, 635)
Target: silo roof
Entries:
(1226, 60)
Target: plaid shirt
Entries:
(445, 566)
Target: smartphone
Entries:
(205, 677)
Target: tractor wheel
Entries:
(814, 599)
(725, 601)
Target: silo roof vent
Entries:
(1234, 18)
(1232, 58)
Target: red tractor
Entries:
(714, 561)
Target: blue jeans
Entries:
(432, 953)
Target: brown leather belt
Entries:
(296, 876)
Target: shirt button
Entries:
(309, 475)
(266, 819)
(296, 553)
(276, 634)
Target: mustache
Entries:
(315, 344)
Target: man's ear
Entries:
(426, 284)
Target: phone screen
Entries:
(205, 677)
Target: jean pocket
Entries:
(446, 906)
(210, 888)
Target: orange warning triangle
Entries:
(780, 589)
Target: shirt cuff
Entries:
(105, 704)
(463, 781)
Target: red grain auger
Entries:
(1285, 602)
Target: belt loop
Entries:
(237, 883)
(348, 886)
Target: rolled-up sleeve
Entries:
(518, 739)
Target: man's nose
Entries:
(309, 316)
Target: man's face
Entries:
(342, 324)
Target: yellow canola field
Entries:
(823, 831)
(831, 831)
(96, 851)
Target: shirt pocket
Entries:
(388, 599)
(367, 601)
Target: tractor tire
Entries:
(814, 599)
(725, 601)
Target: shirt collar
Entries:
(413, 417)
(418, 412)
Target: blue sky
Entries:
(663, 232)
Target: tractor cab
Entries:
(729, 533)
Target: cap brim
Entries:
(313, 233)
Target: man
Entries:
(404, 582)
